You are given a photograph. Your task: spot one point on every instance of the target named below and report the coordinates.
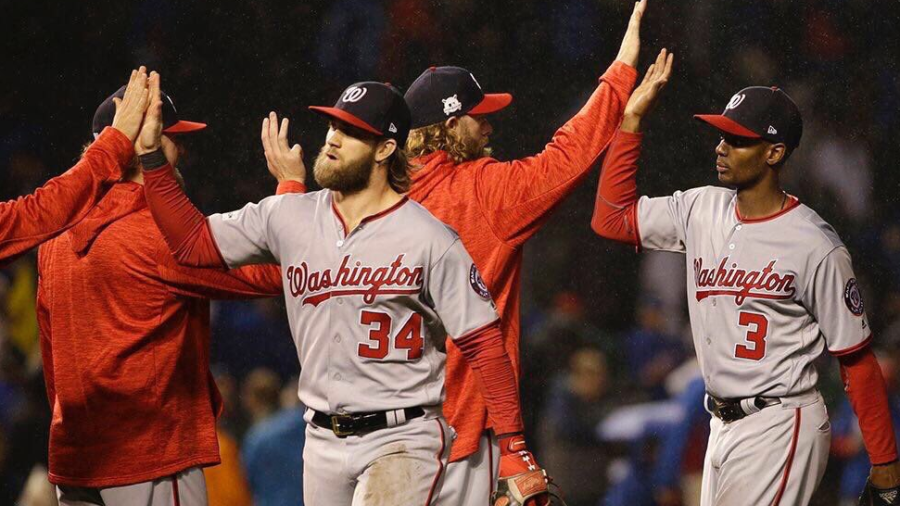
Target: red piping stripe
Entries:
(793, 204)
(340, 217)
(367, 219)
(790, 459)
(852, 349)
(440, 460)
(175, 493)
(387, 211)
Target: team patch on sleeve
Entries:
(478, 283)
(853, 298)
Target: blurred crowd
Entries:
(610, 389)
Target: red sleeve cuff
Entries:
(853, 349)
(290, 186)
(120, 146)
(621, 76)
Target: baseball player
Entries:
(125, 343)
(496, 207)
(770, 286)
(64, 200)
(374, 284)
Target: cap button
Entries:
(432, 68)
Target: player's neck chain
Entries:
(784, 199)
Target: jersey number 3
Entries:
(409, 338)
(757, 330)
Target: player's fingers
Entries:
(273, 129)
(265, 137)
(668, 67)
(130, 85)
(661, 59)
(634, 24)
(649, 75)
(282, 135)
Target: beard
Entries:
(350, 177)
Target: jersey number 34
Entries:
(409, 337)
(757, 331)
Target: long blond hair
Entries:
(438, 137)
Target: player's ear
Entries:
(451, 122)
(777, 153)
(384, 150)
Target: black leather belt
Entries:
(732, 410)
(348, 425)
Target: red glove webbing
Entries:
(184, 227)
(615, 211)
(865, 387)
(486, 355)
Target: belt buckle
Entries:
(339, 429)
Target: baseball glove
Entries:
(872, 496)
(521, 481)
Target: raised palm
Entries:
(644, 97)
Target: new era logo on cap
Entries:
(377, 108)
(446, 92)
(760, 112)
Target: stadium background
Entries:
(603, 328)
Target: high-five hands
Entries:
(644, 97)
(285, 163)
(130, 108)
(150, 137)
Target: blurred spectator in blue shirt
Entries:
(273, 454)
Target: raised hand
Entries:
(285, 163)
(631, 42)
(644, 97)
(151, 132)
(130, 108)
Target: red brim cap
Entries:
(492, 102)
(346, 117)
(184, 127)
(727, 125)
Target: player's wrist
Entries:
(631, 123)
(153, 159)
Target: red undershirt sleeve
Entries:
(865, 387)
(615, 210)
(184, 227)
(493, 371)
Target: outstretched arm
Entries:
(66, 199)
(865, 387)
(519, 195)
(615, 210)
(185, 229)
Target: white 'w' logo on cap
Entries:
(354, 94)
(735, 101)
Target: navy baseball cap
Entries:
(377, 108)
(444, 92)
(760, 112)
(103, 116)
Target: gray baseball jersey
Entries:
(765, 297)
(370, 308)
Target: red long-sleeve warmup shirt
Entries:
(125, 344)
(495, 207)
(64, 200)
